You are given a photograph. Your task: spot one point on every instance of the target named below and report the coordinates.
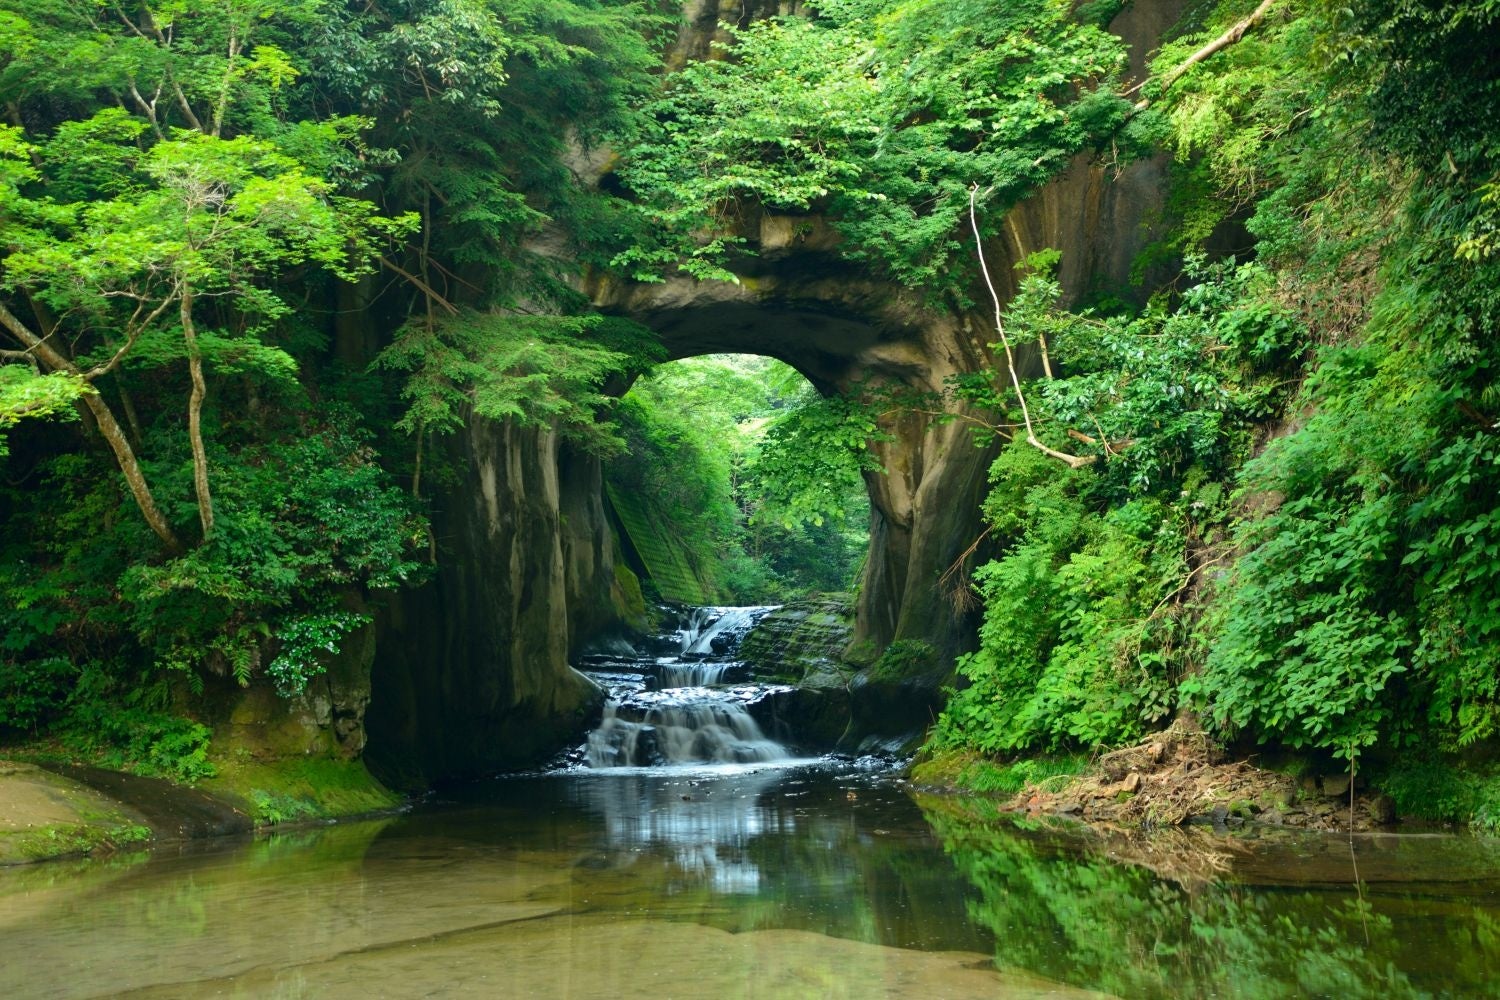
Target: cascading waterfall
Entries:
(719, 630)
(683, 675)
(665, 711)
(697, 729)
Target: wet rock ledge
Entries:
(834, 704)
(54, 811)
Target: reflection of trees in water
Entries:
(782, 849)
(1094, 922)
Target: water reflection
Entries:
(1193, 916)
(705, 822)
(751, 882)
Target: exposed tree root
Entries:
(1180, 776)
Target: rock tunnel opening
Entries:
(841, 330)
(740, 483)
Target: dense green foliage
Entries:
(265, 250)
(195, 203)
(883, 115)
(753, 476)
(1351, 604)
(1383, 629)
(1084, 636)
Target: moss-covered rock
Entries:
(896, 698)
(294, 790)
(50, 810)
(46, 814)
(803, 642)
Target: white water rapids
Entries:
(691, 716)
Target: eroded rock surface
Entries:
(471, 674)
(58, 810)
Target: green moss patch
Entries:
(64, 839)
(45, 815)
(667, 562)
(294, 790)
(971, 772)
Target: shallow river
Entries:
(824, 880)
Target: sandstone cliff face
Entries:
(701, 20)
(472, 673)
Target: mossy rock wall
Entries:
(667, 562)
(471, 671)
(883, 703)
(326, 720)
(802, 641)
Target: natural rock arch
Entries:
(471, 672)
(799, 302)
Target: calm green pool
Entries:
(809, 879)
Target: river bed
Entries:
(806, 879)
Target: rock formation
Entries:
(471, 671)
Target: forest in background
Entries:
(724, 449)
(1262, 496)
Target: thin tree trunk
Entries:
(195, 415)
(223, 103)
(109, 428)
(416, 473)
(1041, 340)
(112, 433)
(128, 405)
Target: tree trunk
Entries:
(195, 414)
(416, 473)
(109, 428)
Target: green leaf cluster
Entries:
(1085, 636)
(882, 116)
(1362, 618)
(28, 394)
(713, 450)
(533, 370)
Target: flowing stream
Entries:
(689, 706)
(730, 869)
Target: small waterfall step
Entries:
(687, 707)
(716, 631)
(684, 726)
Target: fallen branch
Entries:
(1228, 38)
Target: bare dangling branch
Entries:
(1073, 461)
